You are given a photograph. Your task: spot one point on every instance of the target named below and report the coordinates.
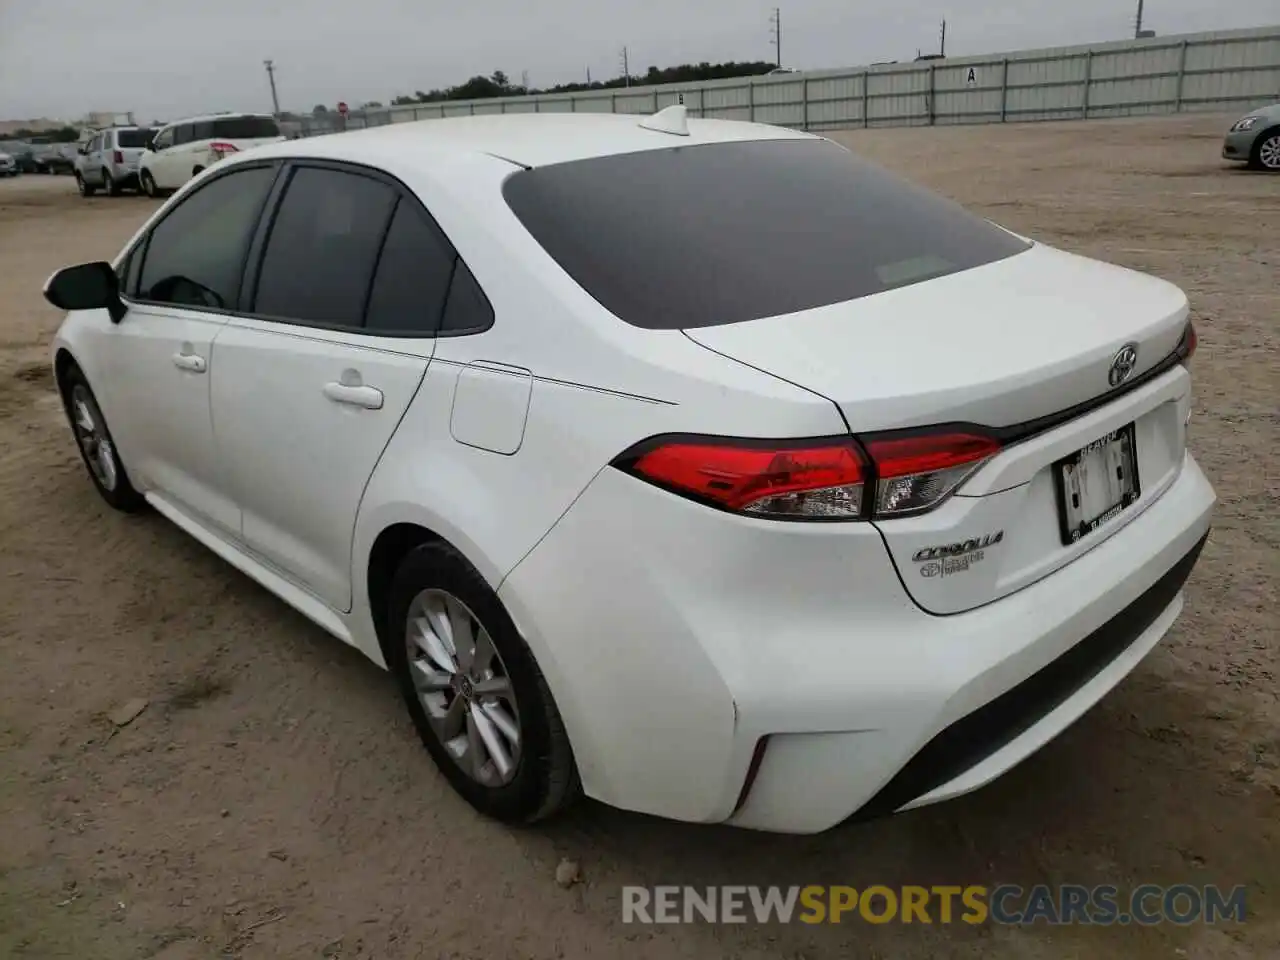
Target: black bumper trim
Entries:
(978, 735)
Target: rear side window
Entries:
(721, 233)
(413, 276)
(133, 139)
(202, 130)
(195, 255)
(245, 128)
(183, 133)
(320, 256)
(468, 309)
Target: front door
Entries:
(161, 361)
(163, 355)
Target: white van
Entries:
(183, 148)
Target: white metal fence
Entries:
(1207, 71)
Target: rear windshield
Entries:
(134, 138)
(720, 233)
(245, 128)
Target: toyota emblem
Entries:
(1123, 364)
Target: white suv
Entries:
(183, 148)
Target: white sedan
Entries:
(702, 467)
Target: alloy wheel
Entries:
(1269, 152)
(464, 687)
(91, 434)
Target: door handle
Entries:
(190, 361)
(370, 398)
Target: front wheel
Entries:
(109, 184)
(474, 691)
(1266, 151)
(148, 184)
(83, 187)
(97, 449)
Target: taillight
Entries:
(823, 479)
(117, 157)
(916, 472)
(799, 480)
(221, 150)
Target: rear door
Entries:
(130, 144)
(309, 391)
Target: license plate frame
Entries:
(1076, 486)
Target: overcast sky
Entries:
(165, 58)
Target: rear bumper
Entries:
(677, 640)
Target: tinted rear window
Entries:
(720, 233)
(245, 128)
(134, 138)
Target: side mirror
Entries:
(82, 149)
(87, 286)
(151, 145)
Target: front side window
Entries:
(325, 239)
(726, 232)
(195, 255)
(164, 138)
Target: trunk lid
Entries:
(1003, 343)
(1024, 338)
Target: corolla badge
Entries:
(1123, 364)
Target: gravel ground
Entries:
(272, 800)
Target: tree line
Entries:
(498, 84)
(58, 135)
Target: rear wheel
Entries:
(475, 693)
(1266, 151)
(97, 449)
(84, 188)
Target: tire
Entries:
(147, 185)
(542, 778)
(83, 412)
(1269, 158)
(109, 184)
(196, 171)
(85, 189)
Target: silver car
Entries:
(1255, 139)
(109, 161)
(8, 166)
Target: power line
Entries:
(271, 77)
(775, 30)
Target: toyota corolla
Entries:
(699, 466)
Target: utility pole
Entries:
(1137, 28)
(524, 80)
(588, 76)
(775, 28)
(626, 67)
(943, 49)
(271, 76)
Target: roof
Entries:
(529, 139)
(214, 116)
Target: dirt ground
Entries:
(272, 799)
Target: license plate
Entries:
(1096, 483)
